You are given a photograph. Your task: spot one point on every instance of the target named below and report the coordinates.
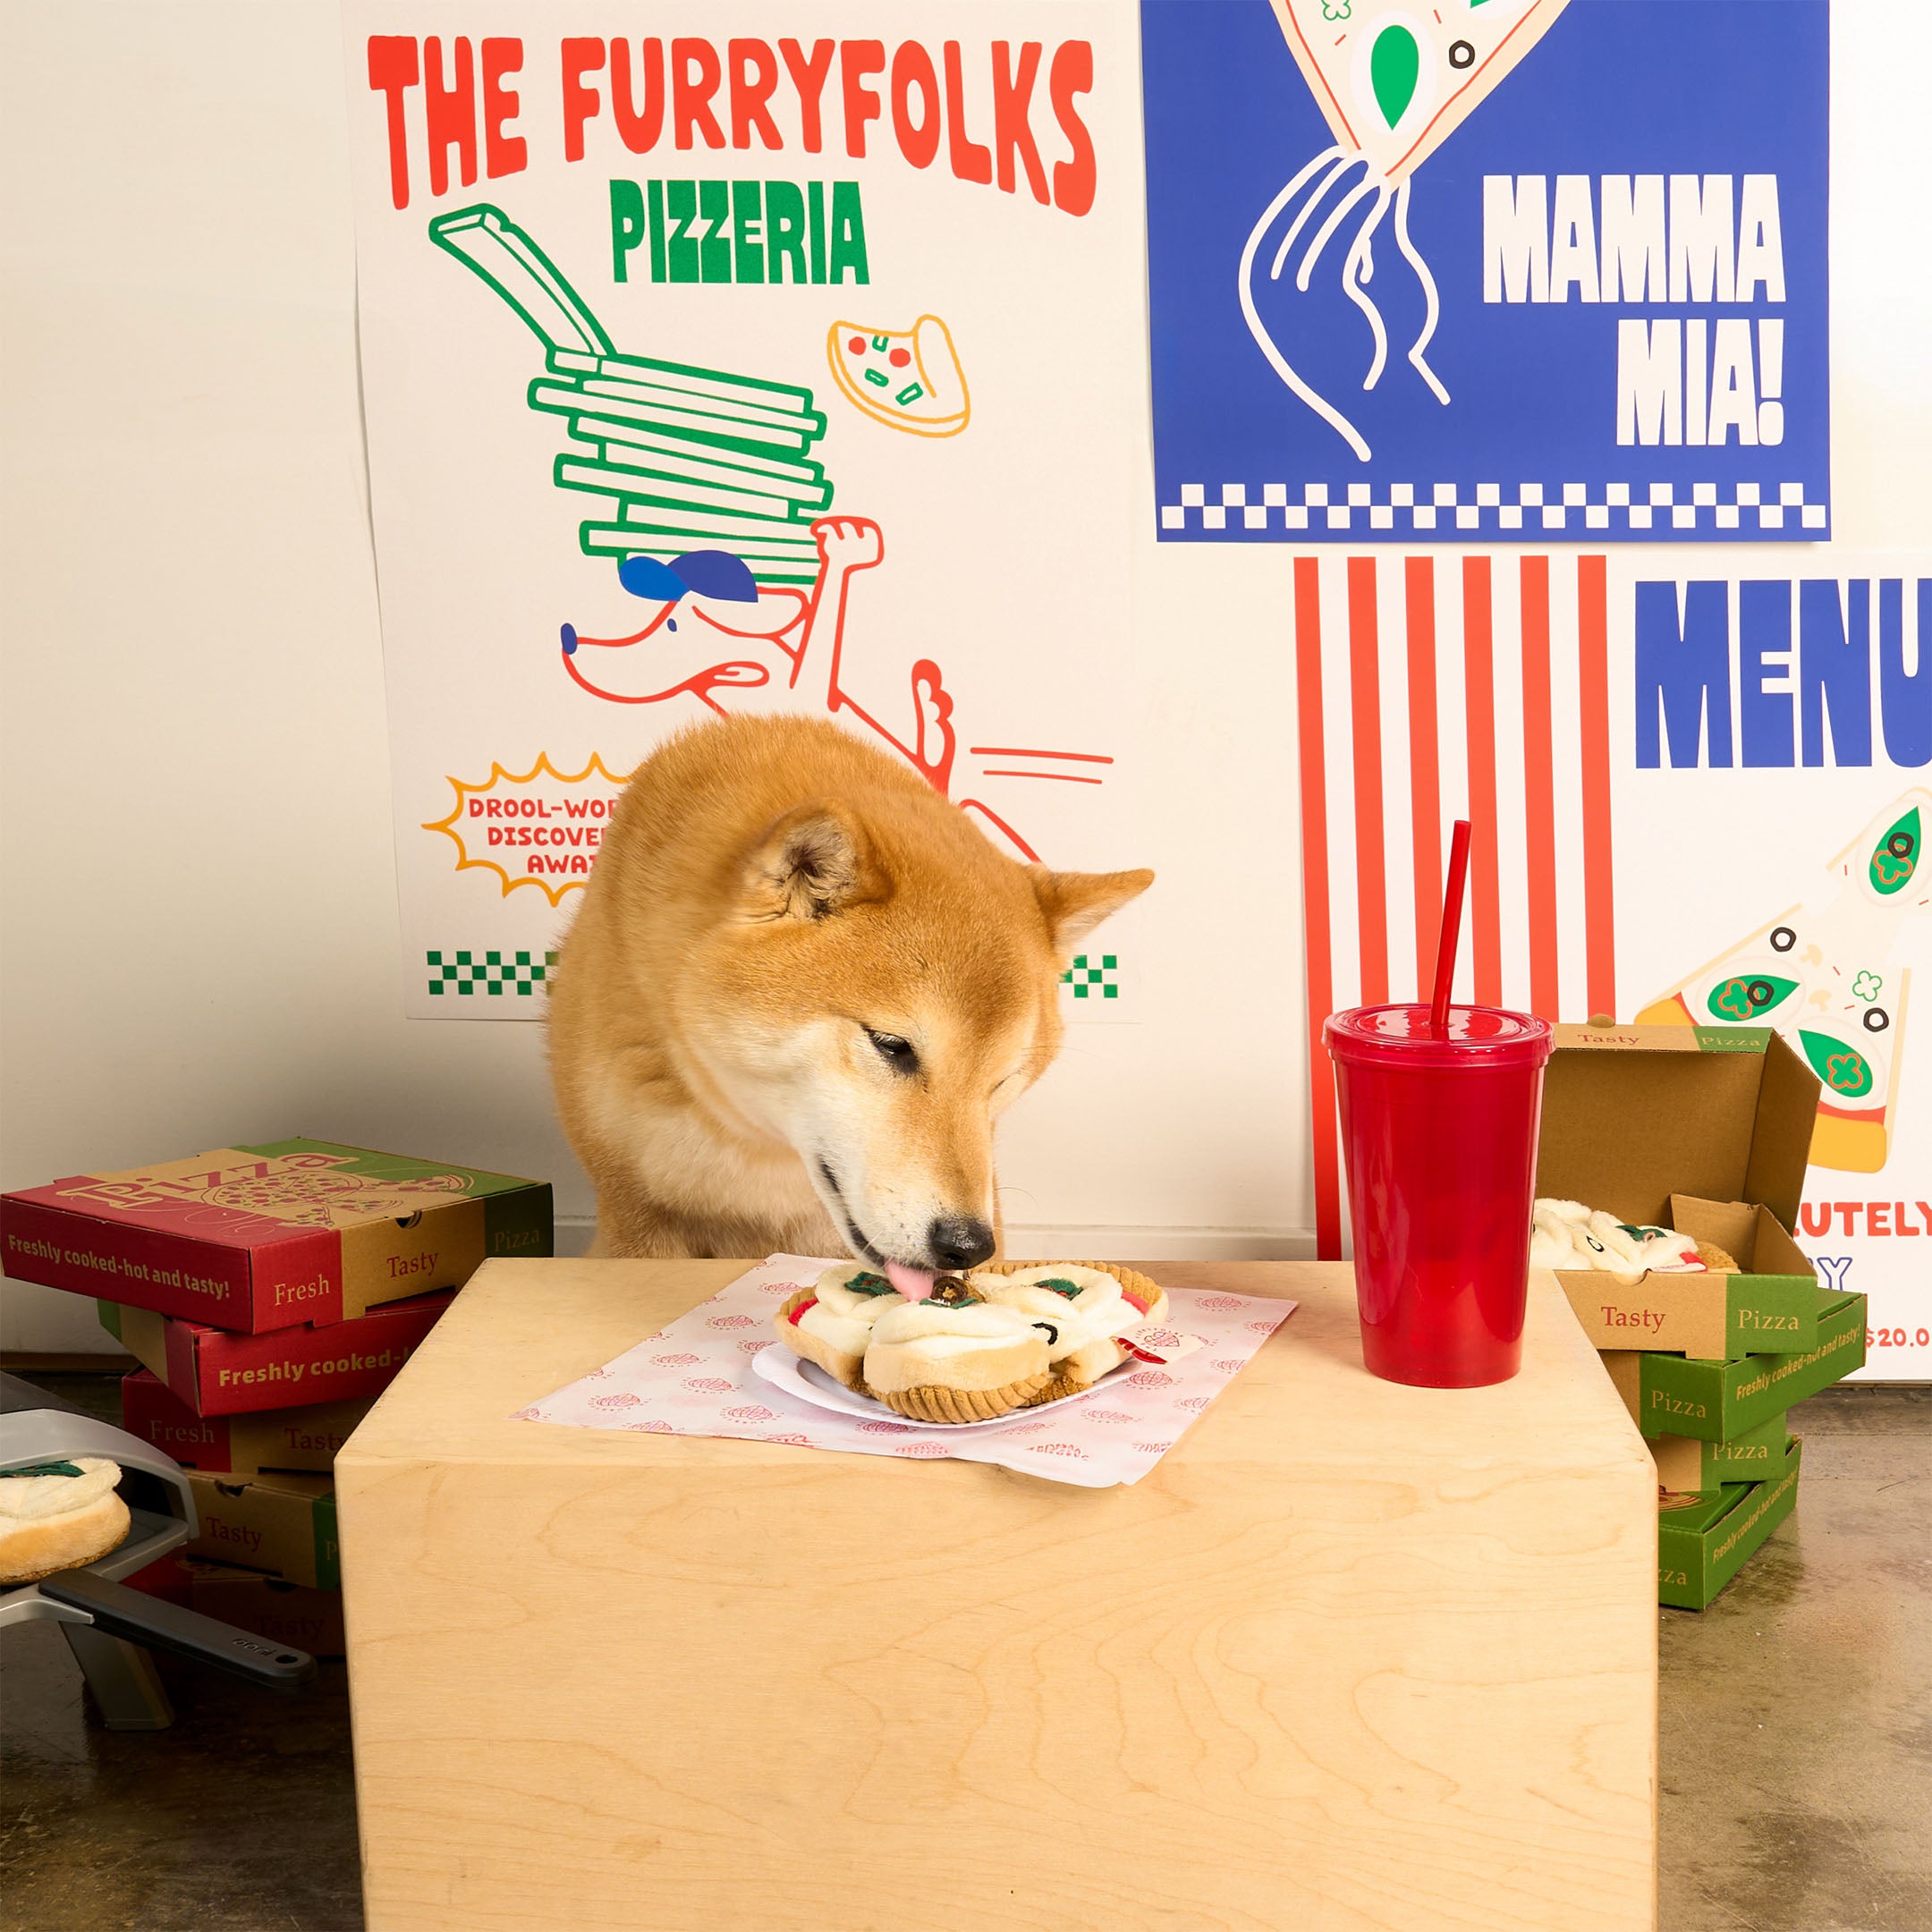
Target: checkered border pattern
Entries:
(1092, 981)
(491, 973)
(1538, 507)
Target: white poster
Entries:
(729, 359)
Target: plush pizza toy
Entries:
(975, 1348)
(57, 1515)
(1566, 1234)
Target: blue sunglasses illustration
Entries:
(707, 573)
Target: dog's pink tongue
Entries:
(914, 1284)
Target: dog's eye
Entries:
(898, 1054)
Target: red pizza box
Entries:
(269, 1608)
(216, 1373)
(303, 1438)
(271, 1236)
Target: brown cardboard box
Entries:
(1718, 1400)
(241, 1445)
(266, 1606)
(1709, 1123)
(1702, 1545)
(1770, 1307)
(1686, 1466)
(282, 1523)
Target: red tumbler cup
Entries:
(1439, 1135)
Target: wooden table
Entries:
(1352, 1656)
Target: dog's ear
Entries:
(810, 863)
(1075, 902)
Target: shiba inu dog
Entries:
(801, 989)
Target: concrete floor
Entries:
(1796, 1738)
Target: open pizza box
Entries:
(1704, 1129)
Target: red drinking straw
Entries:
(1452, 927)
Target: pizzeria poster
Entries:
(1455, 271)
(720, 361)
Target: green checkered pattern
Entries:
(1092, 979)
(492, 973)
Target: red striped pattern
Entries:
(1593, 688)
(1539, 787)
(1425, 765)
(1315, 898)
(1535, 782)
(1479, 683)
(1365, 687)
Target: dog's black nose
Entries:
(959, 1242)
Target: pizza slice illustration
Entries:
(1393, 81)
(907, 379)
(1822, 973)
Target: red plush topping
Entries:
(809, 1301)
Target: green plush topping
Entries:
(49, 1468)
(1061, 1286)
(871, 1284)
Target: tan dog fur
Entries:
(768, 890)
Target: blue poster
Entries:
(1421, 270)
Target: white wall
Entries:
(200, 938)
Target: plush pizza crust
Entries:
(831, 1323)
(49, 1523)
(1109, 1300)
(974, 1347)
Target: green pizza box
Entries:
(1701, 1546)
(1769, 1306)
(1686, 1466)
(1719, 1401)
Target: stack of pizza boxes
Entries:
(270, 1293)
(1706, 1131)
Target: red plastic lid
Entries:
(1477, 1038)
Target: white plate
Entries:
(809, 1383)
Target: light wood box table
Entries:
(1352, 1656)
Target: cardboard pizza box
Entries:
(1634, 1114)
(304, 1438)
(1719, 1401)
(269, 1236)
(215, 1373)
(1703, 1545)
(1688, 1467)
(1637, 1118)
(1770, 1307)
(267, 1606)
(282, 1523)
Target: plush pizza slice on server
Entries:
(1393, 81)
(1825, 979)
